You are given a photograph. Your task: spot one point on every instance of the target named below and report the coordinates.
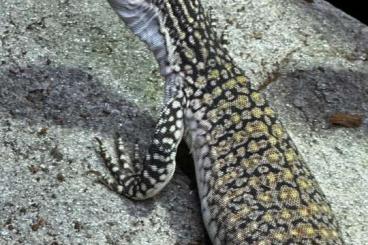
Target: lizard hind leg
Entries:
(125, 162)
(141, 181)
(115, 169)
(137, 165)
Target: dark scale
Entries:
(253, 185)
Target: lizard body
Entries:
(253, 185)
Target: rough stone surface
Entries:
(70, 70)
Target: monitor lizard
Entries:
(253, 185)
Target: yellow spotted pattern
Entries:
(255, 187)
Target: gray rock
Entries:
(70, 70)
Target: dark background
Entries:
(354, 8)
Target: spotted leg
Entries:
(142, 182)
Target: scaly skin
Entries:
(253, 185)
